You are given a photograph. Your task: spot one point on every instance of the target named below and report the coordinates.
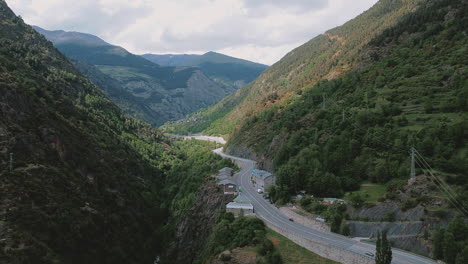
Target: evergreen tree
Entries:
(438, 238)
(387, 249)
(450, 248)
(383, 249)
(462, 257)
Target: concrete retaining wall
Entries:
(325, 250)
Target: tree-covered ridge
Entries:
(412, 93)
(327, 56)
(140, 87)
(88, 184)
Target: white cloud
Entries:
(258, 30)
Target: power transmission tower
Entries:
(412, 173)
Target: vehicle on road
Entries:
(259, 190)
(290, 219)
(370, 254)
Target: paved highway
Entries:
(271, 214)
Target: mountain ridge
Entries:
(225, 70)
(327, 56)
(153, 93)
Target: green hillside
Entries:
(326, 57)
(411, 90)
(151, 93)
(80, 181)
(348, 105)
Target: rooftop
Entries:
(233, 205)
(226, 181)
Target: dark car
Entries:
(290, 219)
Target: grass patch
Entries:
(293, 253)
(370, 192)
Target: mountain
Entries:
(63, 37)
(146, 90)
(79, 188)
(347, 106)
(80, 181)
(226, 70)
(326, 57)
(171, 60)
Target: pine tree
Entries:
(438, 238)
(383, 249)
(387, 249)
(378, 255)
(450, 248)
(462, 257)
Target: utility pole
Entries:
(11, 162)
(413, 173)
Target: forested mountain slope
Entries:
(225, 70)
(152, 93)
(328, 56)
(81, 182)
(411, 90)
(393, 78)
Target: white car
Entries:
(370, 254)
(259, 190)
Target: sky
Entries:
(257, 30)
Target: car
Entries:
(370, 254)
(290, 219)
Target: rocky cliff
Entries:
(194, 229)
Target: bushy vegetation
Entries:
(194, 165)
(230, 233)
(451, 244)
(339, 133)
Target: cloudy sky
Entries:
(257, 30)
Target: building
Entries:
(236, 208)
(228, 186)
(262, 179)
(224, 173)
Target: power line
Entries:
(443, 187)
(416, 157)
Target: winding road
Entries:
(269, 213)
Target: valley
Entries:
(149, 91)
(350, 148)
(331, 243)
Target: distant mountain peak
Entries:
(64, 37)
